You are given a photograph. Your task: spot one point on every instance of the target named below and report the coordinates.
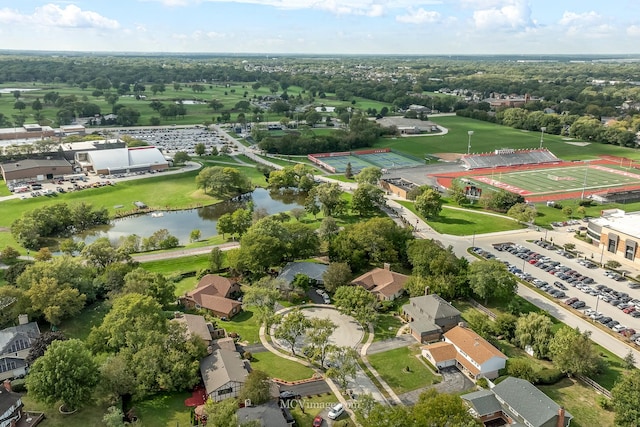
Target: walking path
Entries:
(365, 360)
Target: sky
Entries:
(403, 27)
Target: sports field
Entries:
(390, 160)
(340, 163)
(571, 179)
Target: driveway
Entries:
(453, 382)
(391, 344)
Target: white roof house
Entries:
(120, 160)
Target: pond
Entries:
(181, 223)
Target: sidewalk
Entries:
(365, 360)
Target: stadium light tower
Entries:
(584, 182)
(542, 129)
(469, 143)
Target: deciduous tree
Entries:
(369, 175)
(573, 352)
(534, 330)
(356, 301)
(625, 398)
(429, 204)
(256, 388)
(292, 327)
(317, 344)
(337, 274)
(55, 301)
(490, 279)
(344, 361)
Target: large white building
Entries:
(122, 160)
(617, 232)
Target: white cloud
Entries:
(419, 16)
(502, 15)
(633, 31)
(52, 15)
(199, 36)
(572, 18)
(586, 25)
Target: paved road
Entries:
(453, 382)
(308, 389)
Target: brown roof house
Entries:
(382, 282)
(468, 351)
(430, 316)
(213, 293)
(224, 373)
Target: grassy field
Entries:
(164, 410)
(581, 401)
(488, 137)
(90, 415)
(547, 214)
(392, 364)
(80, 326)
(279, 367)
(465, 223)
(386, 327)
(244, 324)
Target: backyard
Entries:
(402, 370)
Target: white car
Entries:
(336, 411)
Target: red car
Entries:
(317, 421)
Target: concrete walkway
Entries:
(365, 360)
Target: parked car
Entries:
(336, 411)
(578, 304)
(317, 421)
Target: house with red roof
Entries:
(214, 293)
(385, 284)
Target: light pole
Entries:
(542, 129)
(601, 254)
(584, 182)
(469, 143)
(473, 239)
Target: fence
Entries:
(482, 308)
(591, 383)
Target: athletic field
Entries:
(589, 178)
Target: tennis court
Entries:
(561, 179)
(340, 163)
(390, 160)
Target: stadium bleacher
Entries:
(508, 158)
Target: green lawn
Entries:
(314, 406)
(177, 265)
(488, 137)
(80, 326)
(279, 367)
(391, 366)
(90, 415)
(164, 410)
(580, 401)
(244, 324)
(546, 214)
(386, 327)
(465, 223)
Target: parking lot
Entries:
(171, 140)
(603, 297)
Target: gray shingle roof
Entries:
(28, 331)
(313, 270)
(34, 163)
(484, 402)
(529, 402)
(221, 367)
(268, 414)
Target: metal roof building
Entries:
(122, 160)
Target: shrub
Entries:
(585, 203)
(549, 376)
(482, 382)
(247, 355)
(18, 385)
(603, 402)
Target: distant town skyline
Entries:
(404, 27)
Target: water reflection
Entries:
(181, 223)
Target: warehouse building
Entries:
(35, 169)
(122, 160)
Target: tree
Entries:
(40, 345)
(337, 274)
(9, 255)
(490, 279)
(441, 409)
(612, 264)
(256, 388)
(625, 396)
(348, 172)
(569, 246)
(367, 198)
(344, 361)
(215, 259)
(223, 181)
(155, 285)
(573, 353)
(629, 360)
(328, 228)
(369, 175)
(181, 158)
(329, 197)
(195, 235)
(113, 417)
(457, 194)
(263, 295)
(505, 325)
(223, 413)
(317, 344)
(56, 301)
(200, 149)
(225, 224)
(501, 201)
(311, 205)
(534, 330)
(297, 213)
(429, 204)
(66, 373)
(356, 301)
(101, 253)
(19, 105)
(568, 211)
(521, 368)
(522, 212)
(70, 246)
(292, 327)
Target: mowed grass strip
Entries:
(464, 222)
(279, 367)
(166, 409)
(392, 364)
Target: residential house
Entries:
(385, 284)
(12, 409)
(195, 326)
(312, 270)
(430, 316)
(269, 414)
(224, 373)
(516, 401)
(214, 293)
(15, 343)
(468, 351)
